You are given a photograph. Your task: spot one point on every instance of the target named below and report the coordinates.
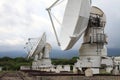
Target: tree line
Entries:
(13, 64)
(8, 63)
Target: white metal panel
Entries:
(67, 68)
(108, 61)
(96, 10)
(89, 50)
(47, 51)
(89, 61)
(75, 22)
(38, 47)
(96, 70)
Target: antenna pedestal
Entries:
(93, 47)
(42, 62)
(89, 58)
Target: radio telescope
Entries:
(37, 46)
(39, 50)
(82, 18)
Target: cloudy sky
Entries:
(22, 19)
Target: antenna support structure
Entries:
(51, 19)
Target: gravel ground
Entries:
(24, 76)
(15, 76)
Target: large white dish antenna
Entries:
(74, 23)
(36, 49)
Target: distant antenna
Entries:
(37, 48)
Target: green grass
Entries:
(103, 71)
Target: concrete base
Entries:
(43, 65)
(88, 72)
(115, 72)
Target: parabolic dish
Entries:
(38, 47)
(74, 23)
